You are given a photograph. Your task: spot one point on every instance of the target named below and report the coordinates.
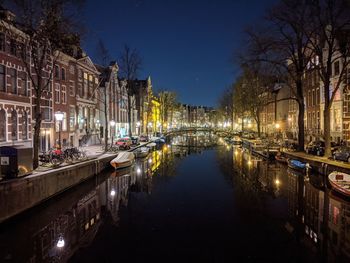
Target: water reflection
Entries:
(217, 193)
(55, 230)
(317, 217)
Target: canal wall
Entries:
(18, 195)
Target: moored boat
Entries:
(124, 159)
(340, 182)
(298, 165)
(236, 140)
(141, 152)
(280, 158)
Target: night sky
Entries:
(186, 45)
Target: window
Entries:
(2, 125)
(2, 42)
(71, 118)
(13, 81)
(57, 72)
(64, 94)
(71, 88)
(336, 68)
(57, 93)
(47, 114)
(13, 47)
(23, 84)
(63, 74)
(2, 78)
(24, 126)
(318, 96)
(64, 122)
(14, 125)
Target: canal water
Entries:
(188, 201)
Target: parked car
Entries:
(135, 140)
(143, 138)
(318, 148)
(124, 143)
(342, 154)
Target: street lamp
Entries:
(112, 124)
(59, 117)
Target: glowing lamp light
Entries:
(112, 123)
(249, 162)
(277, 126)
(150, 160)
(59, 116)
(112, 192)
(60, 242)
(277, 182)
(138, 170)
(236, 152)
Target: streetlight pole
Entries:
(59, 117)
(112, 124)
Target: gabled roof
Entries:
(87, 63)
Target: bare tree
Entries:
(47, 28)
(105, 88)
(284, 44)
(329, 34)
(226, 106)
(168, 103)
(130, 63)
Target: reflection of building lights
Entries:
(236, 152)
(112, 193)
(60, 242)
(228, 147)
(249, 125)
(138, 170)
(249, 162)
(277, 182)
(277, 125)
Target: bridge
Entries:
(185, 130)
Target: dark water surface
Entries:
(187, 204)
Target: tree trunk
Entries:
(327, 131)
(106, 122)
(327, 120)
(301, 125)
(36, 137)
(129, 114)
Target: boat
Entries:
(236, 140)
(340, 182)
(280, 158)
(151, 144)
(123, 159)
(141, 152)
(298, 165)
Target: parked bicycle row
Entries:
(56, 156)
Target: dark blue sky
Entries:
(186, 45)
